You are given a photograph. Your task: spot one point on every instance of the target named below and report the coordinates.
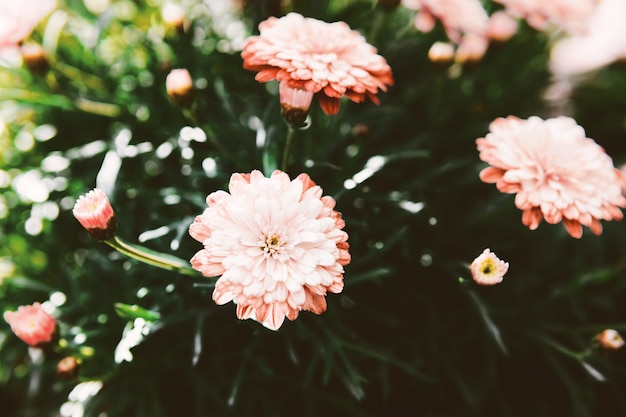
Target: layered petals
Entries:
(556, 172)
(327, 59)
(277, 244)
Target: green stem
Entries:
(150, 257)
(290, 134)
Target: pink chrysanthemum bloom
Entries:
(569, 15)
(19, 18)
(488, 269)
(277, 244)
(458, 17)
(327, 59)
(557, 172)
(32, 324)
(610, 339)
(94, 212)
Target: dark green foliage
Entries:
(410, 335)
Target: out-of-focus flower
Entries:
(179, 87)
(610, 339)
(294, 103)
(19, 18)
(471, 49)
(557, 172)
(458, 17)
(441, 53)
(327, 59)
(277, 243)
(488, 269)
(94, 212)
(32, 324)
(174, 16)
(569, 15)
(602, 43)
(68, 367)
(502, 27)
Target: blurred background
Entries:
(411, 334)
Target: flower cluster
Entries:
(556, 172)
(277, 244)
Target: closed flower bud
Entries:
(610, 339)
(441, 53)
(94, 212)
(34, 57)
(502, 26)
(33, 325)
(68, 368)
(295, 104)
(179, 86)
(174, 16)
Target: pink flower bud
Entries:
(610, 339)
(179, 86)
(295, 103)
(32, 324)
(502, 26)
(173, 15)
(94, 212)
(441, 53)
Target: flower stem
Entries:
(290, 134)
(150, 257)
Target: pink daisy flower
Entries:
(327, 59)
(557, 173)
(569, 15)
(488, 269)
(94, 212)
(277, 244)
(32, 324)
(19, 18)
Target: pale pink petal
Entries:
(277, 244)
(557, 172)
(326, 59)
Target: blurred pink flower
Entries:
(610, 339)
(557, 172)
(277, 244)
(602, 43)
(179, 86)
(488, 269)
(569, 15)
(32, 324)
(18, 18)
(327, 59)
(502, 26)
(458, 17)
(94, 212)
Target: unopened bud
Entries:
(179, 86)
(68, 368)
(441, 53)
(34, 57)
(295, 104)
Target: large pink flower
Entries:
(32, 324)
(557, 172)
(277, 244)
(18, 18)
(570, 15)
(328, 59)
